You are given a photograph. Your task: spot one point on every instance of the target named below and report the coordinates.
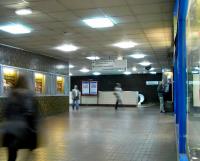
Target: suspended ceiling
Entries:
(55, 22)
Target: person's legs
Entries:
(77, 104)
(161, 104)
(12, 154)
(73, 104)
(116, 105)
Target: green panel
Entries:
(48, 105)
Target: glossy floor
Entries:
(102, 134)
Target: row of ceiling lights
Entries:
(93, 23)
(14, 28)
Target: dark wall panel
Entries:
(135, 82)
(20, 58)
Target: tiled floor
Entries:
(102, 134)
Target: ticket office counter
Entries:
(51, 90)
(129, 98)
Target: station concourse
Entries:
(107, 80)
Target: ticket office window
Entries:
(40, 83)
(60, 85)
(10, 77)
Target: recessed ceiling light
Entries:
(15, 29)
(137, 56)
(120, 70)
(127, 73)
(125, 44)
(134, 69)
(67, 48)
(152, 72)
(152, 69)
(195, 72)
(145, 63)
(194, 158)
(71, 66)
(23, 12)
(119, 58)
(84, 70)
(60, 66)
(99, 22)
(96, 73)
(93, 57)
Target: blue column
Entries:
(182, 75)
(176, 92)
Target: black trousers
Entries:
(117, 105)
(12, 154)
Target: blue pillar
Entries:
(176, 92)
(182, 75)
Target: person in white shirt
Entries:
(75, 98)
(118, 95)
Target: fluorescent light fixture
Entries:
(137, 56)
(134, 69)
(96, 73)
(70, 74)
(23, 12)
(194, 158)
(15, 29)
(67, 48)
(152, 72)
(152, 69)
(84, 70)
(196, 68)
(127, 73)
(60, 66)
(93, 57)
(195, 72)
(120, 70)
(125, 44)
(71, 66)
(99, 22)
(145, 63)
(119, 58)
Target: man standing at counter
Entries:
(75, 97)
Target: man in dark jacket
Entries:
(161, 91)
(21, 116)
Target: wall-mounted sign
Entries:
(152, 83)
(102, 65)
(93, 87)
(40, 83)
(85, 87)
(60, 84)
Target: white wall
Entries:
(128, 97)
(107, 97)
(196, 90)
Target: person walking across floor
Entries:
(161, 91)
(19, 129)
(75, 98)
(118, 95)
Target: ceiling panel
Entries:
(55, 22)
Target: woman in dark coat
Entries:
(21, 117)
